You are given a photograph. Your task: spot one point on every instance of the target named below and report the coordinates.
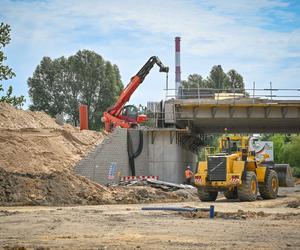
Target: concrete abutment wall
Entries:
(161, 156)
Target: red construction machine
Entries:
(128, 116)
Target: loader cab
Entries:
(229, 146)
(232, 144)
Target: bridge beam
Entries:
(239, 116)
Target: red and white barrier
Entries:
(138, 178)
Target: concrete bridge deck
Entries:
(242, 115)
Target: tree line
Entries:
(217, 79)
(60, 85)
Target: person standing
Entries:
(188, 175)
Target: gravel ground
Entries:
(264, 224)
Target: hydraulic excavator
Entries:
(128, 116)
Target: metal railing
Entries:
(254, 94)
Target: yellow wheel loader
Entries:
(240, 170)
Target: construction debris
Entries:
(293, 204)
(240, 215)
(65, 188)
(164, 184)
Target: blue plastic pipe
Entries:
(212, 212)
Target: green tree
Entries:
(234, 80)
(73, 89)
(217, 79)
(45, 88)
(290, 152)
(194, 81)
(5, 71)
(286, 150)
(278, 145)
(60, 85)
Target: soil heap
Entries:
(37, 156)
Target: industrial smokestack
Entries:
(177, 66)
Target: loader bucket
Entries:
(285, 176)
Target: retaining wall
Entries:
(161, 156)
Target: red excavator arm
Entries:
(121, 115)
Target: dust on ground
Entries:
(264, 224)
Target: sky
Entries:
(258, 38)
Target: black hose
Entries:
(141, 144)
(131, 154)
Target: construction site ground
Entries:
(264, 224)
(45, 205)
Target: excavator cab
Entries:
(131, 114)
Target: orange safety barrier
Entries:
(83, 117)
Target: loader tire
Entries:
(269, 189)
(231, 194)
(205, 195)
(248, 190)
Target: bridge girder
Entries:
(244, 116)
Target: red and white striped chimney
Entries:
(177, 66)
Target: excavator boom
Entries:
(113, 115)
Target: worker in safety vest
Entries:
(188, 175)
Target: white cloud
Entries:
(228, 32)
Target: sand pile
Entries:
(11, 118)
(32, 142)
(37, 157)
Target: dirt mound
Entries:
(11, 118)
(144, 194)
(49, 189)
(37, 156)
(65, 188)
(32, 142)
(44, 150)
